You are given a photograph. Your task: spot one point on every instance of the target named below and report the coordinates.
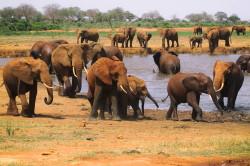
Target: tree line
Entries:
(25, 18)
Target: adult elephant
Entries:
(68, 61)
(223, 34)
(243, 62)
(129, 33)
(168, 34)
(143, 38)
(228, 79)
(103, 78)
(187, 88)
(117, 38)
(239, 29)
(195, 39)
(213, 39)
(167, 62)
(86, 35)
(21, 76)
(197, 30)
(139, 91)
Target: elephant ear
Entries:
(133, 84)
(156, 57)
(191, 83)
(101, 70)
(22, 70)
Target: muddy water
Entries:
(143, 66)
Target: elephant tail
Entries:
(163, 100)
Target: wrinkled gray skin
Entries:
(243, 62)
(187, 88)
(195, 39)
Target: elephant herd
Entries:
(109, 87)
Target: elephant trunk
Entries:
(212, 93)
(152, 99)
(48, 100)
(78, 68)
(46, 80)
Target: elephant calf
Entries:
(117, 38)
(143, 38)
(195, 39)
(243, 62)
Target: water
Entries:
(142, 67)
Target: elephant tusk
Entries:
(74, 72)
(85, 69)
(123, 89)
(49, 87)
(131, 89)
(210, 97)
(222, 85)
(57, 85)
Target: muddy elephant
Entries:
(139, 91)
(129, 33)
(239, 29)
(143, 38)
(168, 34)
(228, 79)
(103, 78)
(243, 62)
(68, 60)
(117, 38)
(167, 62)
(195, 39)
(197, 30)
(187, 88)
(223, 34)
(21, 76)
(86, 35)
(213, 39)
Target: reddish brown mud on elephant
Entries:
(117, 38)
(143, 38)
(168, 34)
(129, 33)
(195, 39)
(239, 29)
(86, 35)
(197, 30)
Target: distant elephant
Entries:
(103, 78)
(187, 88)
(21, 76)
(223, 32)
(195, 39)
(68, 60)
(168, 34)
(228, 79)
(243, 62)
(129, 33)
(86, 35)
(143, 38)
(167, 62)
(213, 39)
(117, 38)
(239, 29)
(139, 91)
(197, 30)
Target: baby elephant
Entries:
(143, 38)
(117, 38)
(195, 39)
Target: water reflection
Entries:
(143, 66)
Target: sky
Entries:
(166, 8)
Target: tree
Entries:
(117, 14)
(26, 11)
(234, 18)
(175, 19)
(153, 15)
(71, 13)
(91, 13)
(220, 16)
(7, 12)
(52, 12)
(129, 16)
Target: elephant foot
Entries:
(91, 118)
(13, 113)
(168, 118)
(102, 117)
(116, 118)
(26, 115)
(175, 119)
(198, 119)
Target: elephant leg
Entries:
(32, 99)
(142, 104)
(61, 83)
(194, 113)
(227, 44)
(82, 40)
(25, 106)
(123, 104)
(114, 102)
(177, 43)
(68, 86)
(108, 107)
(122, 44)
(131, 41)
(172, 43)
(12, 107)
(193, 102)
(103, 103)
(126, 42)
(73, 88)
(172, 108)
(163, 42)
(96, 101)
(168, 42)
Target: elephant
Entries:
(167, 62)
(244, 63)
(21, 76)
(43, 50)
(129, 33)
(213, 39)
(117, 38)
(169, 34)
(195, 39)
(86, 35)
(187, 88)
(103, 78)
(68, 60)
(239, 29)
(197, 30)
(139, 91)
(228, 79)
(223, 34)
(143, 38)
